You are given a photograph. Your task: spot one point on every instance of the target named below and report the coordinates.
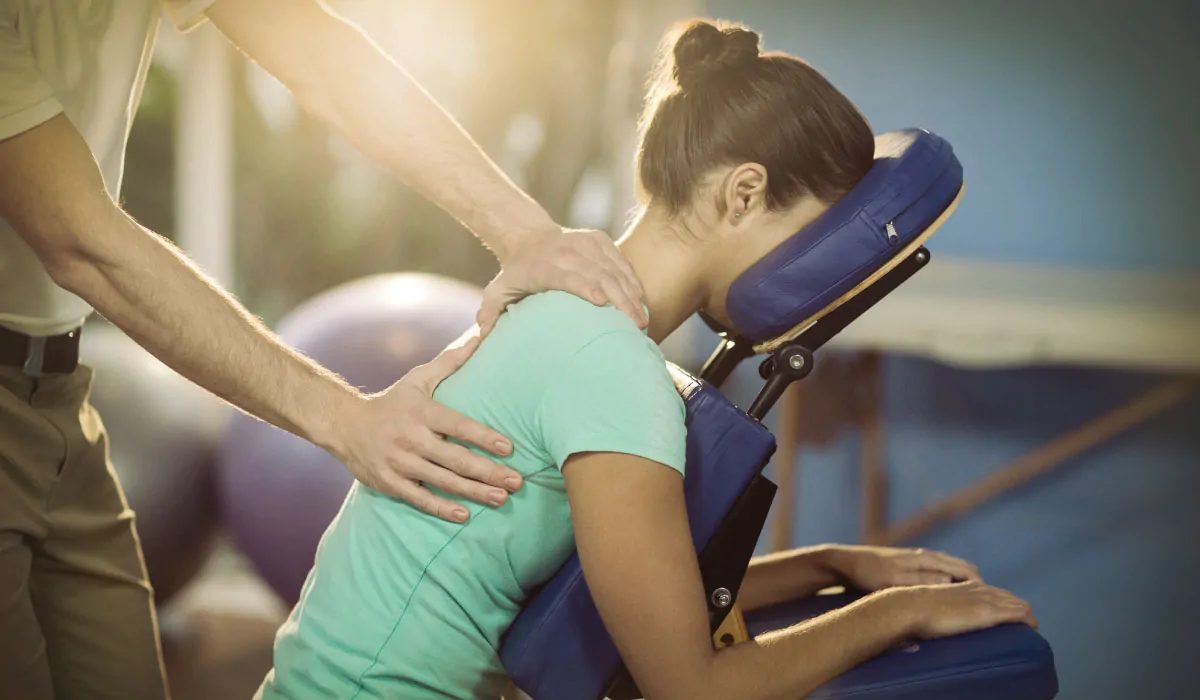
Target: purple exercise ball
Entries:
(278, 492)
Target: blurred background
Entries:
(1047, 347)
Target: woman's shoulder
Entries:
(569, 323)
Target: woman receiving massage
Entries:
(739, 151)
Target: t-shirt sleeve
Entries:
(615, 395)
(26, 99)
(186, 15)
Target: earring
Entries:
(737, 214)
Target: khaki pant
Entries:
(76, 609)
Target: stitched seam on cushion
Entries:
(814, 243)
(379, 652)
(839, 281)
(791, 260)
(862, 211)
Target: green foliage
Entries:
(148, 186)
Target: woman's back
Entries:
(404, 604)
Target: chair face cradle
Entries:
(789, 304)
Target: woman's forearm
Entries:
(791, 663)
(783, 576)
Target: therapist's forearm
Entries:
(410, 134)
(145, 286)
(344, 79)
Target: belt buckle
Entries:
(35, 356)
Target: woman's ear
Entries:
(745, 191)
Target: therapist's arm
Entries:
(341, 77)
(57, 202)
(631, 530)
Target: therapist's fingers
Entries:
(423, 499)
(589, 268)
(471, 466)
(497, 297)
(449, 481)
(627, 277)
(617, 296)
(445, 421)
(450, 423)
(615, 278)
(489, 312)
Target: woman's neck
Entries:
(670, 269)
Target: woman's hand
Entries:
(875, 568)
(584, 263)
(945, 610)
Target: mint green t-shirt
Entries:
(402, 605)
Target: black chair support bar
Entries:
(794, 360)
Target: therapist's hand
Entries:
(875, 568)
(585, 263)
(395, 442)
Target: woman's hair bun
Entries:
(703, 50)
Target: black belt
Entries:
(56, 354)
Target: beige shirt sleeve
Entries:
(186, 15)
(26, 98)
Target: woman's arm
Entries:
(631, 529)
(782, 576)
(798, 573)
(632, 533)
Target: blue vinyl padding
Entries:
(1009, 662)
(558, 648)
(915, 177)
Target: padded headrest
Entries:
(916, 178)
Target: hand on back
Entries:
(395, 442)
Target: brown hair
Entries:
(714, 101)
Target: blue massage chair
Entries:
(787, 306)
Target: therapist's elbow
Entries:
(72, 255)
(74, 271)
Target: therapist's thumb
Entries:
(448, 362)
